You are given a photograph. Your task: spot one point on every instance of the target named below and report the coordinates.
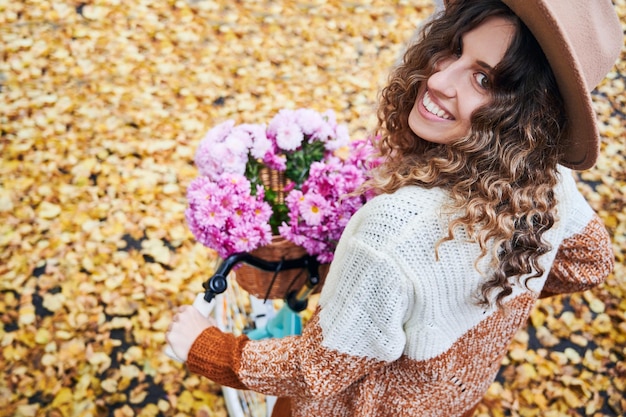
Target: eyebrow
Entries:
(485, 65)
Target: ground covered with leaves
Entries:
(102, 105)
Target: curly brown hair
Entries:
(501, 175)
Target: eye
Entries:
(482, 80)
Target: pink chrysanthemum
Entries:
(289, 137)
(313, 209)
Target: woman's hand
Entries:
(185, 328)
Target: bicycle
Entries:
(239, 312)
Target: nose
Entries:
(445, 78)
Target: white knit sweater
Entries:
(398, 332)
(393, 293)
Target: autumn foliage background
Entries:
(102, 105)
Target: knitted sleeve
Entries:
(585, 256)
(216, 355)
(583, 261)
(294, 366)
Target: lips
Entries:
(434, 109)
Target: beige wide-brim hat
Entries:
(582, 40)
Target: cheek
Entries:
(469, 108)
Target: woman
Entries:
(476, 217)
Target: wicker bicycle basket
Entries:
(271, 285)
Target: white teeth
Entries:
(433, 108)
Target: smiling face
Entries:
(461, 83)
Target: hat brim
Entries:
(581, 140)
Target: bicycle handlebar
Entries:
(297, 300)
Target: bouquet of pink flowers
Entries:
(230, 208)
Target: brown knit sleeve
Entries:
(289, 366)
(216, 355)
(583, 261)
